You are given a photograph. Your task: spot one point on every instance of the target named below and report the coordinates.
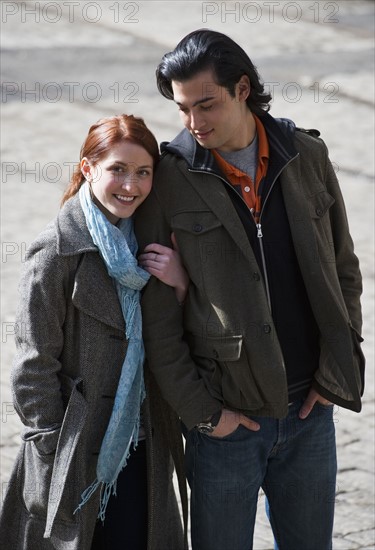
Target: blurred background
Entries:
(66, 64)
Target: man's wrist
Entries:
(209, 425)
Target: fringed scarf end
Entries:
(107, 490)
(87, 494)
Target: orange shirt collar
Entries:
(263, 153)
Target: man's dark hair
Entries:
(205, 49)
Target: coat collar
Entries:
(73, 236)
(280, 133)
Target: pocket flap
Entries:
(197, 222)
(320, 203)
(45, 439)
(226, 348)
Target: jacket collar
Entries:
(280, 133)
(73, 236)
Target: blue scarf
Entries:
(117, 247)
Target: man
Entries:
(268, 338)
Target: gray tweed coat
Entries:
(70, 349)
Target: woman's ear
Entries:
(86, 169)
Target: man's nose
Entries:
(195, 121)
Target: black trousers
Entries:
(125, 525)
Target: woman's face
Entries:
(121, 181)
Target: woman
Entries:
(78, 380)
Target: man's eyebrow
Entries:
(203, 100)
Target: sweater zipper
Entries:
(258, 225)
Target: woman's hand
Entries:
(165, 263)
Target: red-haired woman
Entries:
(94, 470)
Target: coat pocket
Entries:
(48, 459)
(39, 456)
(223, 364)
(65, 482)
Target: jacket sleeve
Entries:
(167, 352)
(347, 264)
(39, 341)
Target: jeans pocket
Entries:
(327, 406)
(232, 436)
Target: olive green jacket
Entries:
(221, 349)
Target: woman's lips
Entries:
(125, 199)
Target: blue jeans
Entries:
(293, 460)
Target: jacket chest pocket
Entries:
(195, 223)
(319, 206)
(201, 239)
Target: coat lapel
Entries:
(214, 194)
(299, 209)
(94, 291)
(300, 221)
(324, 302)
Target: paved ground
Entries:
(67, 64)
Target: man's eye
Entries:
(206, 107)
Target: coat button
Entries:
(215, 353)
(197, 228)
(319, 212)
(267, 328)
(256, 276)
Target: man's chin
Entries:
(204, 144)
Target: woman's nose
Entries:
(129, 179)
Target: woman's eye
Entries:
(144, 173)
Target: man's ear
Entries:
(243, 87)
(86, 169)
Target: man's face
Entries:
(213, 117)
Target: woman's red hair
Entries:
(106, 133)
